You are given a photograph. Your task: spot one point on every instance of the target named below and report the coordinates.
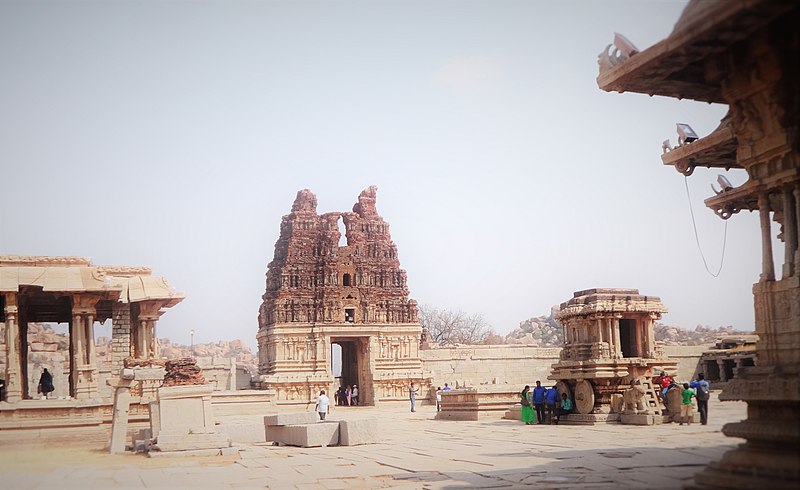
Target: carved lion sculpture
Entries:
(632, 398)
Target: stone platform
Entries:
(482, 402)
(414, 451)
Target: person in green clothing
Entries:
(686, 406)
(564, 408)
(527, 410)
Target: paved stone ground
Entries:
(416, 452)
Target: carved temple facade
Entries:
(745, 55)
(320, 295)
(609, 341)
(71, 290)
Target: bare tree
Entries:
(448, 327)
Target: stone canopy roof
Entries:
(77, 275)
(610, 300)
(675, 67)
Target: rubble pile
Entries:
(183, 372)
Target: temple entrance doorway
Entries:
(728, 365)
(45, 340)
(712, 370)
(627, 337)
(347, 366)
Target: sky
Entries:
(176, 134)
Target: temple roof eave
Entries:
(717, 150)
(587, 310)
(75, 275)
(729, 202)
(674, 66)
(610, 301)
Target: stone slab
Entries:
(183, 442)
(274, 432)
(292, 418)
(311, 435)
(357, 432)
(247, 433)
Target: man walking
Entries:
(703, 390)
(323, 404)
(552, 399)
(412, 395)
(539, 395)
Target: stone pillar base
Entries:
(771, 456)
(86, 386)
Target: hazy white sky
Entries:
(176, 134)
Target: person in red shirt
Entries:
(665, 382)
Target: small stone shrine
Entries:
(181, 420)
(71, 290)
(320, 294)
(610, 348)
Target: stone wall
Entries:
(517, 365)
(476, 365)
(121, 335)
(688, 357)
(220, 372)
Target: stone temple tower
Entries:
(320, 295)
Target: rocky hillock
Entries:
(545, 331)
(224, 348)
(701, 335)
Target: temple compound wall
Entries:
(475, 365)
(323, 299)
(71, 291)
(517, 365)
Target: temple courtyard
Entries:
(416, 451)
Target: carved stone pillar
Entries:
(651, 335)
(796, 194)
(767, 262)
(722, 374)
(789, 233)
(84, 364)
(13, 379)
(149, 313)
(617, 343)
(609, 337)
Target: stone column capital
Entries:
(84, 304)
(11, 303)
(151, 309)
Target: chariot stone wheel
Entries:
(563, 387)
(584, 397)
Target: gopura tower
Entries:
(320, 293)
